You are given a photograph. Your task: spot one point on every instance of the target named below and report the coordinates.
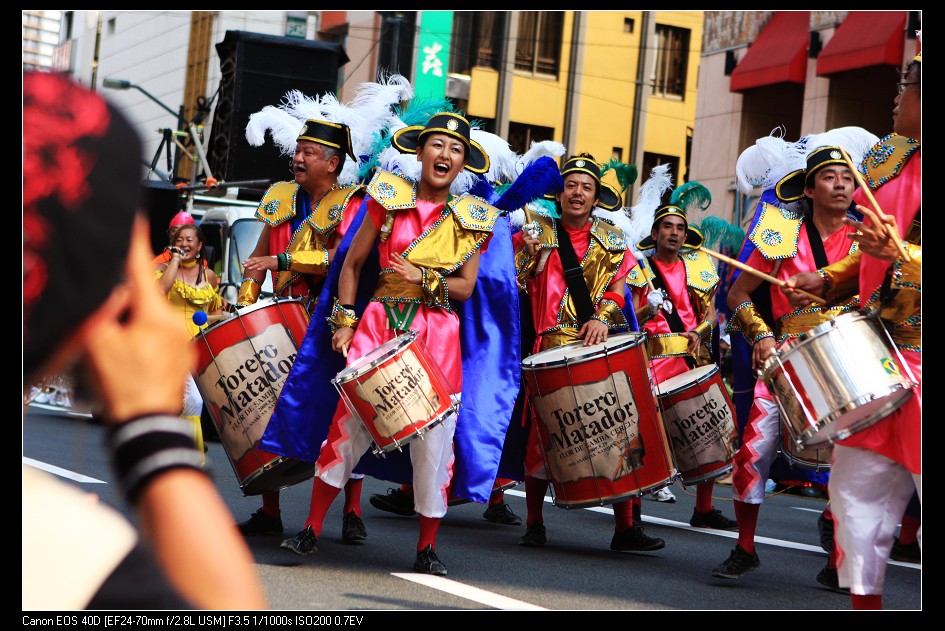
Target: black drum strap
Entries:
(672, 317)
(574, 275)
(816, 245)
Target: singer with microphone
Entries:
(191, 289)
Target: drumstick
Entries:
(762, 275)
(344, 349)
(875, 219)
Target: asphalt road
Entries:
(575, 573)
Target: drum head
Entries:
(686, 379)
(376, 357)
(576, 352)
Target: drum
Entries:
(243, 362)
(837, 379)
(397, 391)
(601, 434)
(699, 419)
(807, 458)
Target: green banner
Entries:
(433, 57)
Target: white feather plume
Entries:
(767, 161)
(537, 150)
(856, 141)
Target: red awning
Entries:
(778, 54)
(866, 38)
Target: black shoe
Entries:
(260, 523)
(396, 501)
(829, 579)
(502, 514)
(534, 536)
(428, 563)
(712, 519)
(737, 564)
(633, 539)
(907, 552)
(303, 543)
(352, 529)
(825, 528)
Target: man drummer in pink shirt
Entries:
(601, 249)
(678, 317)
(876, 471)
(787, 242)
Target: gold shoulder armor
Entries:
(330, 210)
(640, 274)
(474, 213)
(886, 158)
(392, 191)
(608, 234)
(700, 270)
(776, 233)
(278, 204)
(547, 234)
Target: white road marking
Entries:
(470, 593)
(63, 473)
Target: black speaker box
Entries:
(162, 200)
(258, 70)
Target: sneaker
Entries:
(62, 399)
(737, 564)
(534, 536)
(662, 495)
(829, 579)
(907, 552)
(260, 523)
(712, 519)
(428, 563)
(47, 396)
(303, 543)
(502, 514)
(825, 528)
(352, 529)
(396, 501)
(633, 539)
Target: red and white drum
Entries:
(397, 391)
(601, 433)
(243, 363)
(699, 419)
(809, 458)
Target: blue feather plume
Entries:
(537, 179)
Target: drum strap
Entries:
(400, 315)
(574, 275)
(816, 245)
(672, 315)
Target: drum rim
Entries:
(894, 398)
(266, 302)
(638, 339)
(355, 370)
(713, 369)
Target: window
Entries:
(539, 41)
(521, 136)
(477, 40)
(672, 54)
(628, 25)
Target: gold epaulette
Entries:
(330, 210)
(640, 274)
(547, 233)
(278, 204)
(608, 235)
(474, 213)
(776, 233)
(700, 270)
(886, 158)
(392, 191)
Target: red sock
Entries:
(496, 498)
(704, 496)
(323, 494)
(428, 528)
(636, 511)
(623, 516)
(909, 531)
(353, 496)
(271, 503)
(747, 517)
(869, 601)
(407, 488)
(534, 499)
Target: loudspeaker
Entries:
(162, 200)
(258, 70)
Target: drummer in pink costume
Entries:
(428, 244)
(601, 249)
(876, 471)
(688, 283)
(787, 243)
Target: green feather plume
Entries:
(719, 234)
(691, 194)
(626, 173)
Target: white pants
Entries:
(868, 495)
(431, 457)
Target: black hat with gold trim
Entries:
(408, 139)
(336, 135)
(693, 235)
(791, 187)
(585, 163)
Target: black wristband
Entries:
(348, 307)
(148, 446)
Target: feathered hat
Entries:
(609, 198)
(823, 150)
(689, 195)
(409, 139)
